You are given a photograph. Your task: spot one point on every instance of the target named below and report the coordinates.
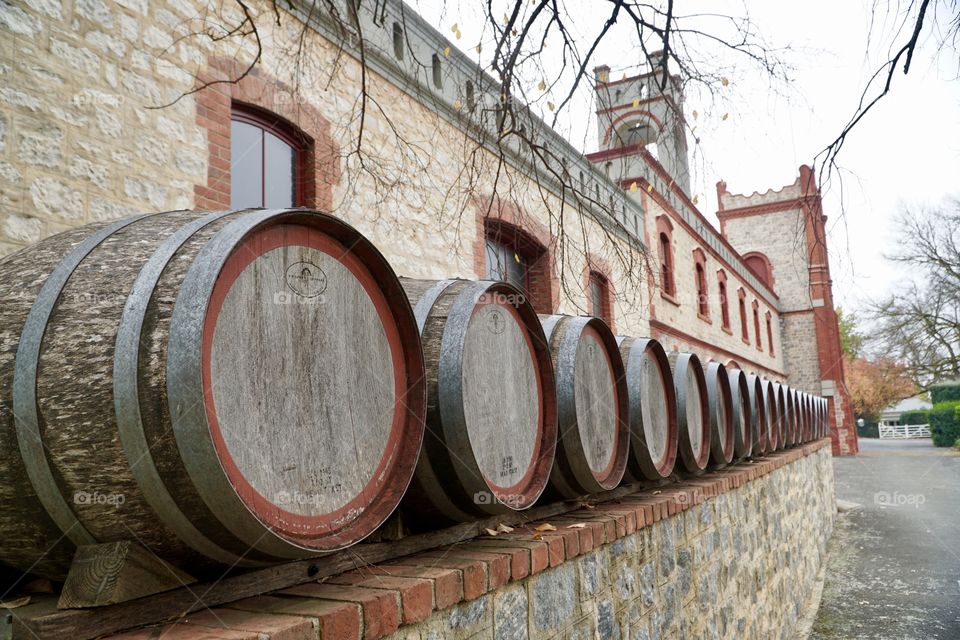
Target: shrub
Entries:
(916, 416)
(956, 445)
(945, 392)
(945, 423)
(870, 429)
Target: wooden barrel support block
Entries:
(693, 411)
(720, 398)
(491, 423)
(592, 406)
(653, 409)
(742, 414)
(758, 407)
(244, 335)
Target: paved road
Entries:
(894, 565)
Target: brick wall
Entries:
(734, 554)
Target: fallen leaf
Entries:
(657, 492)
(579, 525)
(538, 536)
(13, 604)
(587, 505)
(546, 526)
(504, 528)
(491, 532)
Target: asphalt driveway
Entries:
(894, 565)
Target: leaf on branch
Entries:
(517, 258)
(636, 102)
(542, 86)
(446, 52)
(455, 27)
(457, 105)
(551, 106)
(724, 82)
(695, 114)
(725, 116)
(633, 186)
(649, 188)
(696, 199)
(546, 526)
(506, 19)
(479, 48)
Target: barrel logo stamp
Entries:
(496, 322)
(306, 279)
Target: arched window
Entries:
(724, 303)
(667, 280)
(770, 333)
(760, 266)
(601, 298)
(700, 282)
(742, 299)
(756, 324)
(267, 157)
(516, 257)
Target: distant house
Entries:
(892, 414)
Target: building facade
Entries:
(115, 107)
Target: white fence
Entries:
(904, 431)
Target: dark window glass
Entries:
(505, 264)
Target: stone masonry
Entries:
(733, 554)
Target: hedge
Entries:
(945, 423)
(945, 392)
(915, 416)
(869, 429)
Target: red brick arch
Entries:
(220, 90)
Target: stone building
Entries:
(114, 107)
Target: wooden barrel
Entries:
(783, 414)
(720, 399)
(653, 409)
(790, 416)
(238, 388)
(758, 414)
(773, 404)
(742, 407)
(592, 405)
(806, 434)
(491, 404)
(797, 416)
(693, 411)
(825, 418)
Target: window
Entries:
(700, 283)
(770, 333)
(724, 303)
(266, 159)
(744, 332)
(667, 280)
(471, 98)
(437, 72)
(397, 41)
(600, 305)
(756, 324)
(760, 266)
(514, 256)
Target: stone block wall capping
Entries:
(373, 602)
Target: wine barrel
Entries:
(720, 399)
(825, 428)
(797, 416)
(783, 414)
(592, 406)
(759, 414)
(773, 403)
(491, 404)
(693, 411)
(790, 416)
(807, 431)
(653, 409)
(190, 381)
(742, 414)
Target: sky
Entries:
(906, 152)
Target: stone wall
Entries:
(733, 554)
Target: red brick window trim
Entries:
(513, 255)
(769, 318)
(724, 301)
(668, 285)
(600, 294)
(742, 301)
(700, 284)
(756, 324)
